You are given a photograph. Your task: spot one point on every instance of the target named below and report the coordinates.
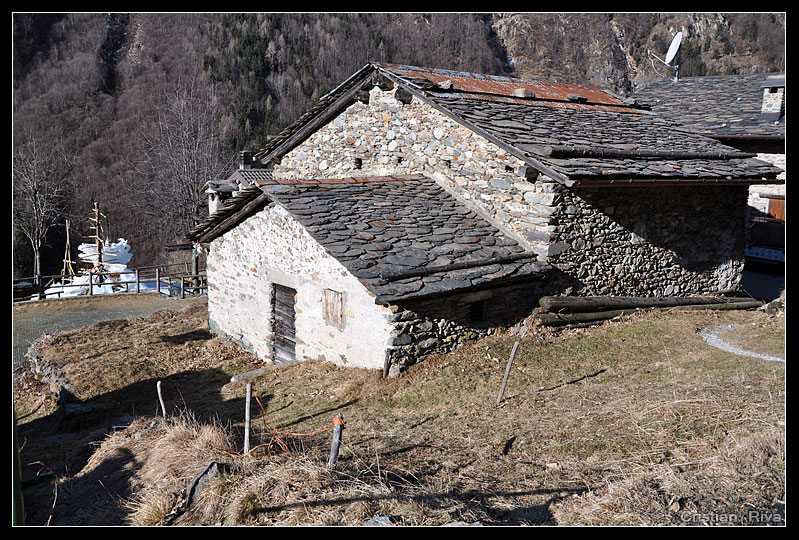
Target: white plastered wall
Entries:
(272, 247)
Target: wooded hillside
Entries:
(137, 111)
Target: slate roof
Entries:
(589, 146)
(720, 106)
(403, 237)
(576, 134)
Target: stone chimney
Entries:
(773, 105)
(245, 160)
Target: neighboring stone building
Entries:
(746, 112)
(411, 209)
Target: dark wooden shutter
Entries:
(283, 324)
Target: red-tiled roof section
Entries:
(513, 90)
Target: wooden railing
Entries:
(171, 279)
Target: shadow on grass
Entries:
(180, 339)
(494, 503)
(63, 441)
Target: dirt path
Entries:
(32, 319)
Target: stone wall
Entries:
(757, 201)
(773, 101)
(440, 325)
(388, 136)
(650, 241)
(603, 248)
(271, 247)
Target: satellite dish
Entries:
(673, 48)
(675, 45)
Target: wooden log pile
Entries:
(567, 310)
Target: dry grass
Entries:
(635, 421)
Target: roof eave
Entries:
(221, 222)
(385, 300)
(664, 181)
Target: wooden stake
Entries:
(338, 427)
(161, 399)
(507, 372)
(386, 364)
(247, 419)
(98, 233)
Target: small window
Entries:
(477, 311)
(333, 307)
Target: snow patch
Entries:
(120, 278)
(711, 337)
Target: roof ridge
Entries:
(345, 180)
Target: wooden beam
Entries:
(558, 319)
(595, 303)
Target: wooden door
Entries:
(283, 323)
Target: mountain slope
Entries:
(100, 86)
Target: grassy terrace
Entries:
(635, 422)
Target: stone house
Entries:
(411, 209)
(746, 112)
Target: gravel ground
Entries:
(32, 319)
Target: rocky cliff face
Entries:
(612, 50)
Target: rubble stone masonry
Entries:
(647, 241)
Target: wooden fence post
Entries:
(338, 427)
(247, 419)
(138, 282)
(507, 372)
(158, 279)
(91, 284)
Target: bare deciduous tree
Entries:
(182, 151)
(40, 174)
